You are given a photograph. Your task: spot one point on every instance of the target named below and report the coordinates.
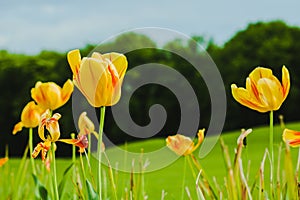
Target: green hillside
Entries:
(169, 177)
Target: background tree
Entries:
(268, 44)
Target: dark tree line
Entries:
(269, 44)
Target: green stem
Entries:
(183, 179)
(74, 161)
(89, 146)
(31, 150)
(272, 153)
(271, 136)
(102, 115)
(54, 172)
(82, 167)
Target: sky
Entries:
(34, 25)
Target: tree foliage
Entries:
(269, 44)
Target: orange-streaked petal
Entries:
(119, 61)
(53, 127)
(270, 91)
(47, 95)
(180, 144)
(18, 127)
(3, 161)
(285, 82)
(42, 147)
(251, 88)
(51, 124)
(81, 142)
(260, 72)
(74, 59)
(242, 96)
(291, 137)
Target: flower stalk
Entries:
(102, 115)
(271, 152)
(30, 141)
(56, 195)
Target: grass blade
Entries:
(62, 183)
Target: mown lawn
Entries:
(168, 178)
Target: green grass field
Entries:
(168, 178)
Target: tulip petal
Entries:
(270, 91)
(47, 95)
(260, 72)
(53, 127)
(97, 56)
(17, 128)
(85, 125)
(242, 96)
(251, 88)
(31, 114)
(285, 82)
(292, 137)
(119, 61)
(180, 144)
(81, 142)
(74, 59)
(51, 124)
(114, 89)
(200, 135)
(42, 146)
(3, 161)
(93, 81)
(67, 91)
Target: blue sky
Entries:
(32, 25)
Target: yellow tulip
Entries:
(263, 91)
(183, 145)
(51, 96)
(30, 117)
(99, 77)
(291, 137)
(85, 125)
(51, 124)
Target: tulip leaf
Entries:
(62, 183)
(40, 191)
(92, 195)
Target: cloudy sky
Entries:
(32, 25)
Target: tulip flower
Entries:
(3, 161)
(51, 96)
(263, 90)
(99, 77)
(183, 145)
(291, 137)
(51, 124)
(30, 117)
